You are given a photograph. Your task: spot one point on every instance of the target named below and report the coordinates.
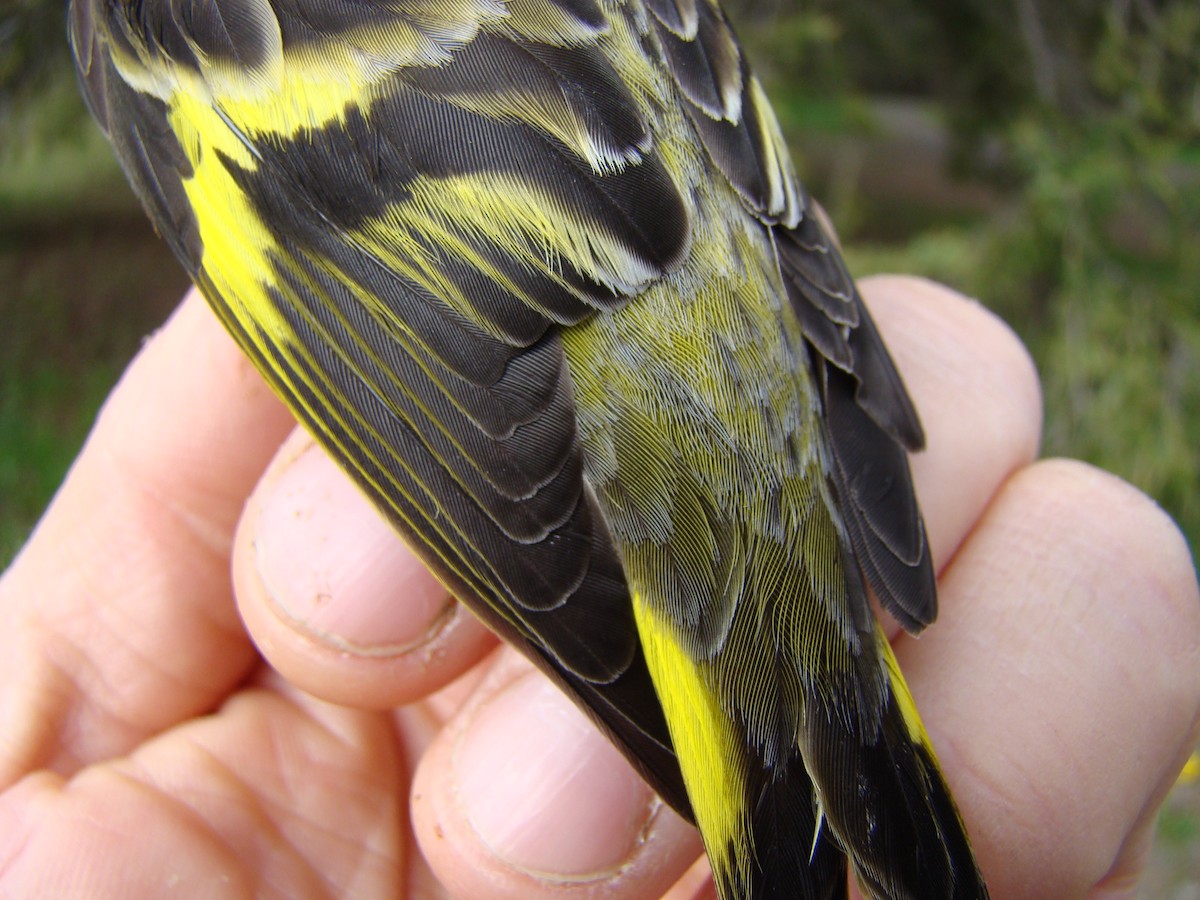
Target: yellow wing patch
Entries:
(709, 749)
(317, 83)
(234, 237)
(903, 697)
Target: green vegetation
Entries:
(55, 164)
(84, 279)
(75, 305)
(1044, 157)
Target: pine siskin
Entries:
(540, 275)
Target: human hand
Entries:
(144, 745)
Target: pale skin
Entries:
(328, 723)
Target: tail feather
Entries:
(796, 856)
(791, 856)
(884, 797)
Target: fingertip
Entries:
(334, 598)
(1142, 542)
(1146, 585)
(1062, 684)
(329, 562)
(529, 749)
(522, 797)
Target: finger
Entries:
(521, 797)
(334, 598)
(977, 393)
(1062, 687)
(276, 796)
(120, 615)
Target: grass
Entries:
(43, 418)
(64, 346)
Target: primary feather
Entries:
(540, 275)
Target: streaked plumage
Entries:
(539, 274)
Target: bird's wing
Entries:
(392, 207)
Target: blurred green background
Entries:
(1042, 155)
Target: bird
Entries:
(540, 276)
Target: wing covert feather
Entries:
(727, 106)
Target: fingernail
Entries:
(545, 790)
(335, 569)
